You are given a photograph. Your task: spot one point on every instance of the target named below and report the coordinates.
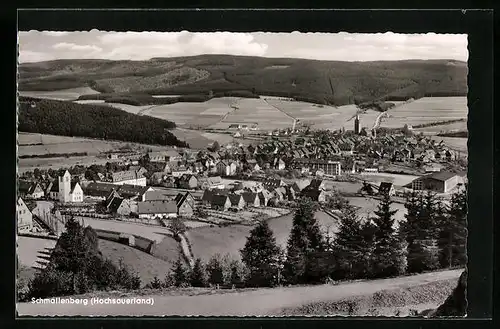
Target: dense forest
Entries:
(323, 82)
(94, 121)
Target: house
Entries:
(139, 170)
(181, 170)
(220, 202)
(280, 193)
(156, 209)
(164, 156)
(24, 217)
(157, 178)
(30, 190)
(185, 204)
(314, 194)
(134, 192)
(280, 164)
(96, 190)
(329, 167)
(251, 199)
(122, 206)
(64, 190)
(264, 197)
(211, 183)
(129, 177)
(291, 192)
(440, 182)
(386, 188)
(156, 195)
(317, 184)
(237, 201)
(226, 169)
(188, 182)
(433, 167)
(253, 165)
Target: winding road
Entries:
(259, 302)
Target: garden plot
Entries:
(426, 110)
(456, 126)
(62, 95)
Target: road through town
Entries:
(258, 302)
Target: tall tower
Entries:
(65, 187)
(356, 124)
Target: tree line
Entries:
(432, 236)
(93, 121)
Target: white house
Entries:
(157, 209)
(24, 217)
(226, 169)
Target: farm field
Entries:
(208, 241)
(457, 126)
(397, 179)
(129, 108)
(63, 95)
(29, 249)
(56, 163)
(144, 264)
(256, 111)
(426, 110)
(193, 114)
(456, 143)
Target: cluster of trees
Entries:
(94, 121)
(53, 155)
(217, 272)
(461, 134)
(438, 123)
(377, 106)
(77, 266)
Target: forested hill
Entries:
(94, 121)
(329, 82)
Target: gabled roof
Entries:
(181, 198)
(159, 195)
(385, 187)
(121, 176)
(97, 189)
(115, 204)
(156, 207)
(186, 178)
(128, 191)
(249, 197)
(219, 199)
(234, 198)
(441, 176)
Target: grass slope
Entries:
(330, 82)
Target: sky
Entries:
(36, 46)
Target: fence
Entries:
(131, 240)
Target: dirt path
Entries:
(244, 303)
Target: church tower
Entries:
(356, 125)
(65, 187)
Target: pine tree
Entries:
(198, 276)
(236, 277)
(215, 270)
(180, 274)
(352, 247)
(388, 257)
(453, 231)
(261, 255)
(305, 239)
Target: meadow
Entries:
(208, 241)
(367, 206)
(63, 95)
(426, 110)
(29, 249)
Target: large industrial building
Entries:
(440, 182)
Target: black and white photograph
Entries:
(241, 174)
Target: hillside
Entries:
(329, 82)
(94, 121)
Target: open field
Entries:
(193, 114)
(129, 108)
(426, 110)
(257, 302)
(457, 126)
(343, 187)
(151, 232)
(63, 95)
(56, 163)
(144, 264)
(198, 139)
(208, 241)
(29, 249)
(397, 179)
